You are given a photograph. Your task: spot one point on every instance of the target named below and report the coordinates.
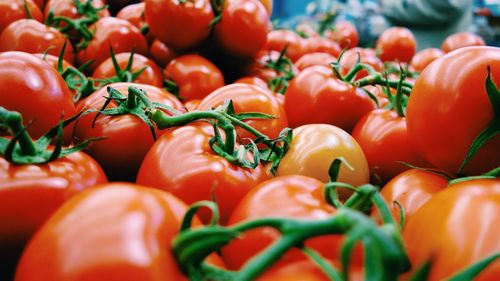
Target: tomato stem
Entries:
(14, 121)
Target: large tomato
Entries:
(396, 44)
(13, 10)
(449, 107)
(111, 232)
(183, 163)
(456, 228)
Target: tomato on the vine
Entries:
(396, 44)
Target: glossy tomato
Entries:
(160, 53)
(13, 10)
(134, 14)
(67, 8)
(461, 40)
(396, 44)
(321, 44)
(423, 58)
(454, 85)
(252, 81)
(313, 59)
(345, 34)
(278, 39)
(365, 56)
(111, 232)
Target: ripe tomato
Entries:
(396, 44)
(316, 96)
(366, 56)
(194, 75)
(13, 10)
(152, 75)
(249, 98)
(160, 53)
(278, 39)
(256, 81)
(116, 231)
(116, 33)
(461, 40)
(313, 149)
(35, 89)
(127, 138)
(456, 228)
(31, 36)
(30, 194)
(243, 28)
(454, 85)
(183, 163)
(383, 136)
(321, 44)
(261, 67)
(345, 34)
(313, 59)
(67, 8)
(423, 58)
(180, 25)
(134, 14)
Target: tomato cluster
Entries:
(302, 155)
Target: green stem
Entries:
(377, 79)
(14, 121)
(357, 68)
(329, 270)
(398, 104)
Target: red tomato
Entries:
(320, 44)
(116, 33)
(461, 40)
(454, 85)
(260, 67)
(411, 189)
(152, 75)
(179, 25)
(127, 138)
(116, 231)
(345, 34)
(13, 10)
(67, 8)
(31, 36)
(183, 163)
(295, 197)
(316, 96)
(35, 89)
(194, 75)
(30, 194)
(456, 228)
(40, 3)
(134, 14)
(191, 105)
(256, 81)
(366, 56)
(383, 136)
(249, 98)
(396, 44)
(278, 39)
(423, 58)
(160, 53)
(313, 59)
(243, 28)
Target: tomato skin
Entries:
(345, 34)
(13, 10)
(160, 53)
(313, 149)
(31, 36)
(383, 136)
(127, 138)
(117, 231)
(134, 14)
(304, 270)
(321, 44)
(183, 163)
(312, 59)
(67, 8)
(152, 75)
(116, 33)
(278, 39)
(256, 81)
(423, 58)
(268, 4)
(243, 28)
(461, 40)
(366, 56)
(396, 44)
(455, 87)
(249, 98)
(179, 25)
(195, 76)
(30, 194)
(35, 89)
(316, 96)
(463, 219)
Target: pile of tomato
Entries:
(192, 140)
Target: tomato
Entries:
(345, 34)
(191, 105)
(152, 75)
(256, 81)
(316, 96)
(449, 107)
(293, 196)
(243, 28)
(35, 89)
(13, 10)
(31, 36)
(116, 231)
(53, 60)
(383, 136)
(194, 75)
(40, 3)
(320, 44)
(116, 33)
(396, 44)
(160, 53)
(261, 67)
(423, 58)
(67, 8)
(461, 40)
(313, 149)
(313, 59)
(180, 25)
(278, 39)
(304, 270)
(127, 138)
(455, 228)
(134, 14)
(249, 98)
(183, 163)
(30, 194)
(366, 56)
(411, 189)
